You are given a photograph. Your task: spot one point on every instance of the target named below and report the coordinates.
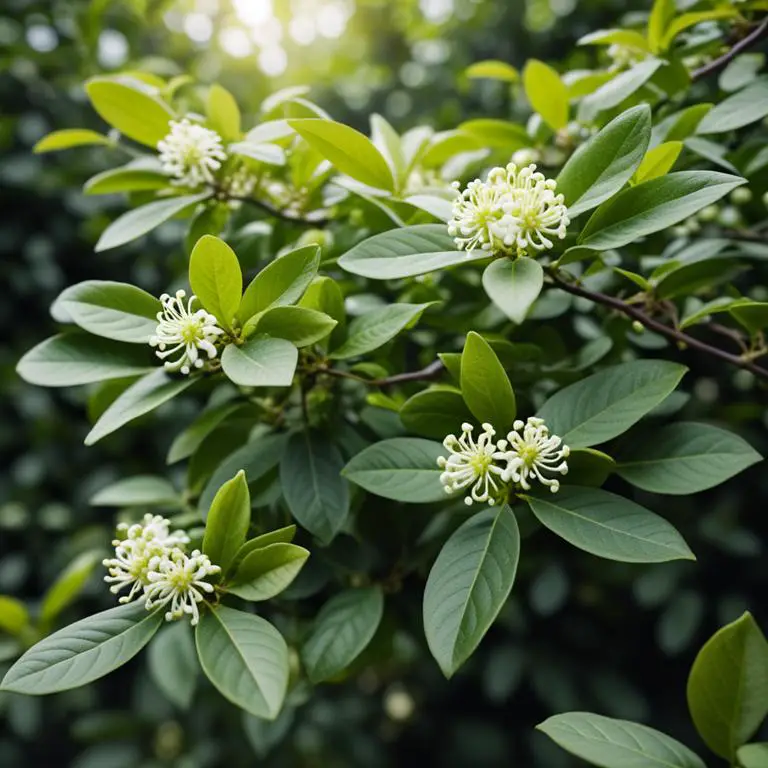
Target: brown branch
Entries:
(674, 334)
(717, 65)
(320, 221)
(429, 372)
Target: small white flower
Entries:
(238, 185)
(472, 463)
(526, 156)
(191, 154)
(477, 213)
(534, 453)
(176, 581)
(186, 332)
(624, 56)
(143, 542)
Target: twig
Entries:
(222, 194)
(676, 335)
(720, 63)
(429, 372)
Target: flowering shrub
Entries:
(397, 298)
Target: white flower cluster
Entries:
(240, 183)
(513, 211)
(530, 453)
(185, 331)
(151, 562)
(191, 153)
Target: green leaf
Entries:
(497, 134)
(611, 743)
(190, 439)
(139, 491)
(299, 325)
(138, 175)
(513, 286)
(281, 282)
(260, 362)
(324, 295)
(374, 329)
(133, 111)
(753, 755)
(342, 630)
(547, 94)
(629, 38)
(314, 490)
(116, 311)
(662, 13)
(485, 385)
(684, 123)
(588, 467)
(728, 686)
(753, 315)
(658, 161)
(245, 658)
(263, 152)
(228, 520)
(401, 469)
(468, 585)
(598, 169)
(145, 218)
(83, 651)
(608, 403)
(348, 150)
(654, 205)
(67, 586)
(69, 138)
(14, 616)
(686, 20)
(747, 106)
(685, 458)
(406, 252)
(173, 665)
(609, 526)
(494, 70)
(148, 393)
(435, 412)
(72, 359)
(223, 113)
(216, 279)
(386, 139)
(266, 571)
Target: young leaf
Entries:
(485, 386)
(609, 526)
(83, 651)
(14, 616)
(68, 138)
(342, 631)
(138, 491)
(599, 168)
(608, 403)
(406, 252)
(611, 743)
(728, 686)
(314, 490)
(435, 412)
(490, 132)
(67, 586)
(216, 279)
(325, 295)
(228, 520)
(283, 535)
(468, 585)
(299, 325)
(386, 139)
(138, 175)
(266, 571)
(494, 70)
(401, 469)
(685, 458)
(658, 161)
(662, 13)
(245, 658)
(547, 94)
(173, 664)
(260, 362)
(223, 113)
(513, 286)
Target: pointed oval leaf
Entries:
(513, 286)
(493, 69)
(435, 412)
(299, 325)
(747, 106)
(266, 571)
(68, 585)
(658, 161)
(753, 755)
(227, 522)
(485, 386)
(546, 93)
(260, 362)
(138, 491)
(215, 278)
(173, 664)
(468, 585)
(223, 113)
(68, 138)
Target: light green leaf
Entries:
(685, 458)
(611, 743)
(342, 630)
(435, 412)
(374, 329)
(266, 571)
(658, 161)
(753, 755)
(148, 393)
(405, 252)
(401, 469)
(173, 664)
(629, 38)
(615, 91)
(313, 488)
(494, 70)
(260, 362)
(72, 359)
(599, 168)
(68, 138)
(489, 132)
(609, 526)
(245, 658)
(513, 286)
(662, 13)
(138, 175)
(654, 205)
(686, 20)
(753, 315)
(263, 152)
(216, 279)
(227, 522)
(547, 94)
(117, 311)
(67, 586)
(145, 218)
(608, 403)
(223, 113)
(83, 651)
(133, 110)
(14, 616)
(747, 106)
(348, 150)
(325, 295)
(485, 385)
(299, 325)
(728, 686)
(386, 139)
(139, 491)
